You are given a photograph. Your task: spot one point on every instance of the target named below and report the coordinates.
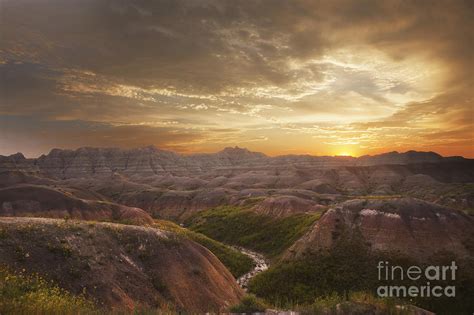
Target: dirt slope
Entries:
(120, 266)
(43, 201)
(282, 206)
(406, 225)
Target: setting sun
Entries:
(345, 153)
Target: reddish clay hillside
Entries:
(281, 206)
(120, 266)
(175, 186)
(409, 226)
(42, 201)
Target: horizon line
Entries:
(233, 147)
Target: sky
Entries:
(349, 77)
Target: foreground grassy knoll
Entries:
(237, 263)
(240, 226)
(120, 267)
(31, 294)
(350, 267)
(335, 304)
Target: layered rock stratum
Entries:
(146, 161)
(43, 201)
(406, 226)
(171, 185)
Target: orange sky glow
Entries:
(293, 77)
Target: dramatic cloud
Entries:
(320, 77)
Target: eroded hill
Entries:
(408, 226)
(119, 266)
(174, 186)
(46, 201)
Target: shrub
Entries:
(249, 304)
(325, 303)
(360, 302)
(350, 267)
(63, 248)
(3, 234)
(346, 267)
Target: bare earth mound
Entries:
(43, 201)
(409, 226)
(120, 266)
(175, 186)
(281, 206)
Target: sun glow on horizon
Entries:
(345, 153)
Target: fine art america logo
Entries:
(423, 279)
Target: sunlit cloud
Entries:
(286, 77)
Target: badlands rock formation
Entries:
(280, 206)
(43, 201)
(148, 161)
(404, 225)
(171, 185)
(120, 266)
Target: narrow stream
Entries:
(260, 265)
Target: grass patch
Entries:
(31, 294)
(345, 268)
(237, 263)
(469, 211)
(376, 197)
(62, 248)
(355, 303)
(248, 305)
(3, 234)
(242, 227)
(351, 267)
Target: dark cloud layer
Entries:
(216, 44)
(192, 67)
(29, 135)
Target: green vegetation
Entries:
(354, 303)
(350, 267)
(3, 234)
(31, 294)
(237, 263)
(376, 197)
(242, 227)
(344, 268)
(63, 248)
(469, 211)
(249, 304)
(453, 195)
